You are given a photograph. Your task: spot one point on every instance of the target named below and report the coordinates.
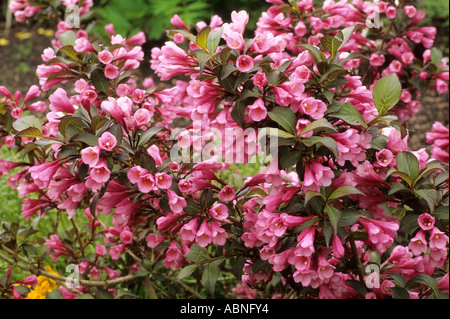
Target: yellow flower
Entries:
(46, 32)
(44, 286)
(4, 42)
(23, 35)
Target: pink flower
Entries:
(43, 174)
(111, 71)
(95, 273)
(154, 240)
(146, 183)
(10, 141)
(100, 250)
(301, 125)
(408, 58)
(189, 231)
(244, 63)
(185, 186)
(260, 79)
(324, 269)
(107, 141)
(105, 57)
(338, 248)
(135, 173)
(258, 111)
(410, 11)
(426, 221)
(219, 212)
(312, 107)
(305, 246)
(83, 45)
(204, 236)
(235, 41)
(100, 173)
(219, 235)
(163, 181)
(141, 117)
(438, 239)
(116, 251)
(126, 237)
(227, 194)
(153, 151)
(391, 12)
(48, 55)
(418, 244)
(384, 157)
(59, 102)
(176, 203)
(376, 59)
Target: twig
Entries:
(182, 284)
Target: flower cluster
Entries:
(341, 192)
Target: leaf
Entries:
(30, 132)
(358, 286)
(319, 126)
(331, 44)
(238, 113)
(426, 280)
(87, 138)
(386, 93)
(210, 276)
(399, 292)
(285, 118)
(202, 38)
(69, 51)
(26, 122)
(66, 122)
(351, 56)
(187, 271)
(202, 58)
(149, 133)
(442, 213)
(398, 280)
(317, 55)
(349, 218)
(99, 80)
(334, 215)
(283, 134)
(349, 114)
(436, 56)
(408, 164)
(430, 196)
(289, 159)
(327, 142)
(344, 191)
(237, 266)
(196, 254)
(379, 142)
(214, 40)
(68, 38)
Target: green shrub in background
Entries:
(153, 16)
(438, 15)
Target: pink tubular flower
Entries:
(59, 102)
(426, 221)
(126, 237)
(301, 125)
(235, 41)
(176, 203)
(204, 236)
(227, 194)
(376, 59)
(185, 186)
(163, 181)
(135, 173)
(146, 183)
(410, 11)
(142, 117)
(391, 12)
(258, 111)
(260, 79)
(100, 173)
(105, 57)
(111, 71)
(43, 174)
(384, 157)
(418, 244)
(219, 212)
(100, 250)
(244, 63)
(438, 239)
(153, 151)
(219, 235)
(312, 107)
(83, 45)
(189, 231)
(107, 141)
(154, 240)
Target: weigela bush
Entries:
(340, 208)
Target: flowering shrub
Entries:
(340, 208)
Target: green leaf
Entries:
(358, 286)
(426, 280)
(398, 280)
(379, 142)
(284, 134)
(386, 93)
(436, 56)
(442, 213)
(68, 38)
(54, 294)
(237, 266)
(30, 132)
(285, 118)
(409, 164)
(317, 55)
(214, 40)
(399, 292)
(349, 218)
(202, 58)
(202, 38)
(344, 191)
(196, 254)
(327, 231)
(26, 122)
(334, 215)
(351, 56)
(327, 142)
(149, 133)
(210, 276)
(310, 195)
(349, 114)
(238, 113)
(66, 122)
(87, 138)
(187, 271)
(99, 80)
(430, 196)
(289, 159)
(319, 126)
(331, 44)
(69, 51)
